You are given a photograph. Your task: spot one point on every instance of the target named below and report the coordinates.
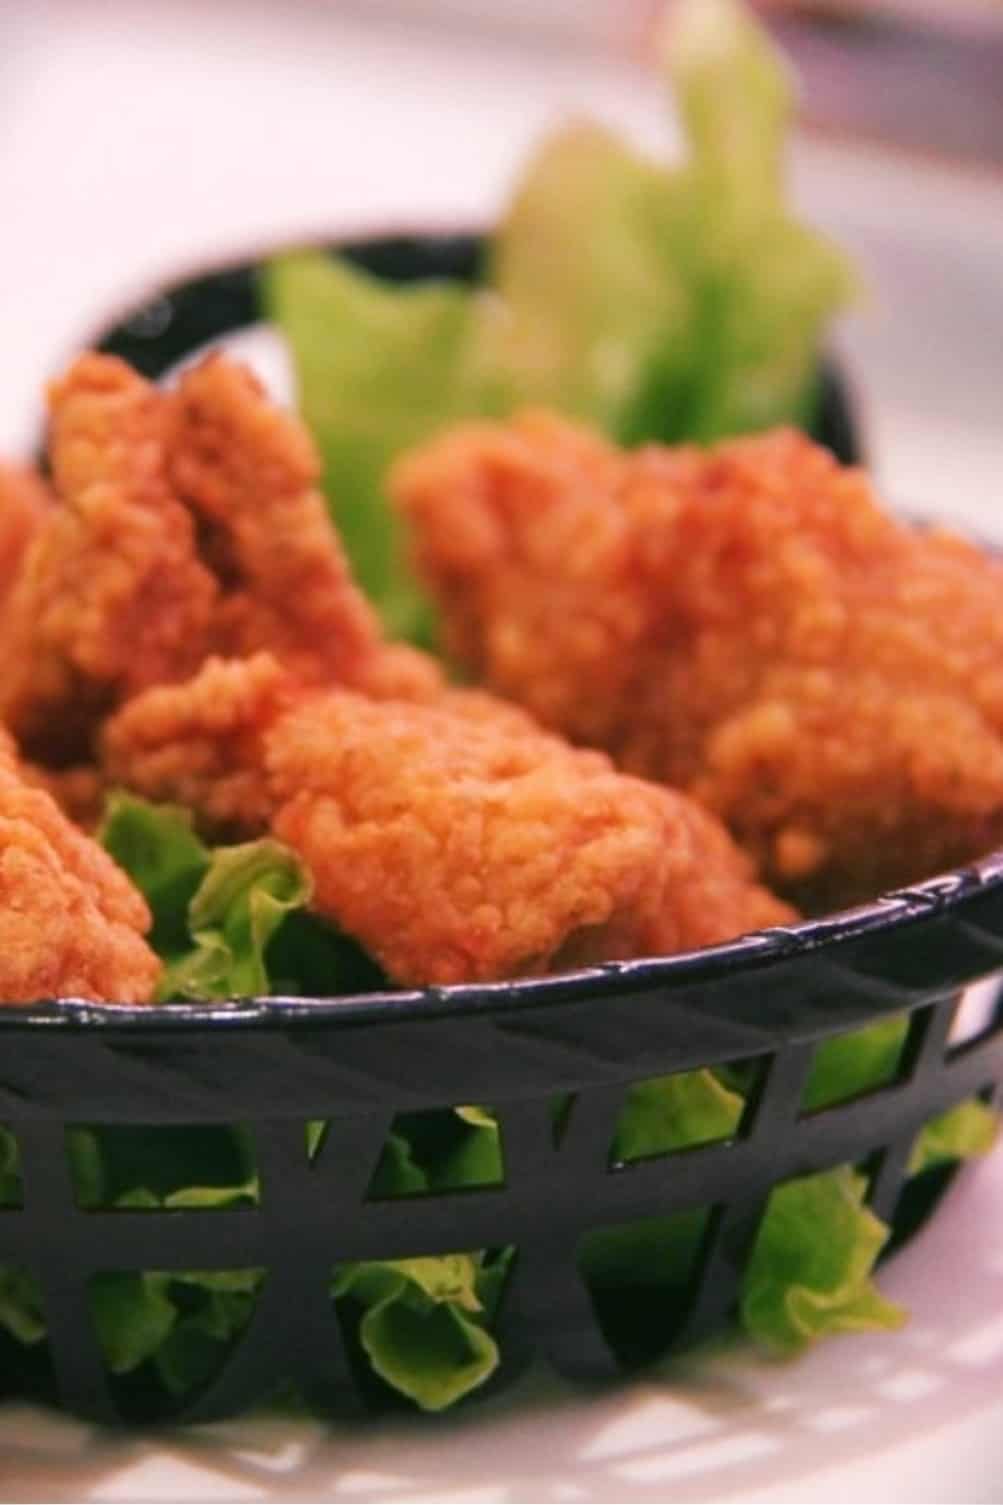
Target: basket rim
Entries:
(888, 913)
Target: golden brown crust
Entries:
(110, 597)
(25, 502)
(746, 624)
(200, 744)
(184, 525)
(71, 924)
(250, 471)
(461, 845)
(79, 790)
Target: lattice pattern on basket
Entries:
(557, 1189)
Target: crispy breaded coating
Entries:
(200, 744)
(459, 845)
(78, 790)
(71, 923)
(8, 751)
(745, 624)
(186, 524)
(110, 597)
(25, 502)
(251, 471)
(399, 672)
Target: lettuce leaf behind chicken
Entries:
(218, 913)
(655, 301)
(379, 368)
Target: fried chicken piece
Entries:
(8, 752)
(125, 586)
(110, 597)
(458, 843)
(79, 790)
(25, 503)
(745, 624)
(200, 744)
(250, 471)
(71, 923)
(452, 838)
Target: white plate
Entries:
(916, 1416)
(137, 141)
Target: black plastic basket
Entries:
(767, 999)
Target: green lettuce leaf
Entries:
(308, 958)
(809, 1274)
(587, 331)
(962, 1133)
(21, 1312)
(422, 1325)
(676, 1112)
(116, 1166)
(846, 1065)
(182, 1321)
(444, 1150)
(397, 1174)
(214, 1307)
(133, 1314)
(193, 1350)
(655, 302)
(157, 847)
(429, 1350)
(766, 286)
(228, 922)
(379, 369)
(240, 904)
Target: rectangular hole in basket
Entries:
(165, 1335)
(979, 1014)
(642, 1277)
(432, 1151)
(857, 1063)
(809, 1272)
(25, 1367)
(420, 1332)
(967, 1131)
(666, 1115)
(139, 1167)
(11, 1185)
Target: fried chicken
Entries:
(71, 924)
(188, 524)
(79, 790)
(745, 624)
(250, 472)
(458, 843)
(24, 505)
(201, 744)
(452, 838)
(110, 597)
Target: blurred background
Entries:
(140, 139)
(921, 73)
